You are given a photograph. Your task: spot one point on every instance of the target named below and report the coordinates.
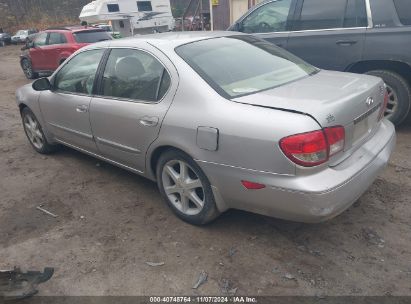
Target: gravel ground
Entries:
(111, 222)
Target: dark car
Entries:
(50, 48)
(5, 39)
(360, 36)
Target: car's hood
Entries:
(331, 98)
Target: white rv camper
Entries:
(130, 17)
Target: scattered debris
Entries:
(201, 279)
(372, 237)
(302, 248)
(289, 276)
(232, 251)
(46, 211)
(15, 284)
(82, 217)
(155, 264)
(227, 287)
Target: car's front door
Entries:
(329, 36)
(37, 55)
(270, 21)
(135, 93)
(66, 108)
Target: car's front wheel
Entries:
(185, 188)
(34, 133)
(28, 69)
(399, 95)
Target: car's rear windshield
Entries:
(241, 65)
(91, 36)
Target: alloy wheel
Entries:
(392, 104)
(27, 69)
(32, 128)
(183, 187)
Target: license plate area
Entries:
(364, 124)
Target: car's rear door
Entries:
(136, 90)
(66, 108)
(329, 36)
(270, 21)
(55, 46)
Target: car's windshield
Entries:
(107, 28)
(91, 36)
(21, 32)
(241, 65)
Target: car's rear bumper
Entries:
(307, 198)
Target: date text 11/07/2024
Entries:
(203, 299)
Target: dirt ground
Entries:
(111, 222)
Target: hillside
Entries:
(16, 14)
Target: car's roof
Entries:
(74, 29)
(169, 40)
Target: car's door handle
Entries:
(346, 42)
(82, 109)
(148, 121)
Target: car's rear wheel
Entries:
(399, 95)
(185, 188)
(2, 43)
(34, 133)
(28, 69)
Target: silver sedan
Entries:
(219, 120)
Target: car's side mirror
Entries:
(42, 84)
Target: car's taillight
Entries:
(384, 106)
(313, 148)
(335, 139)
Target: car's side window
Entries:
(404, 11)
(355, 14)
(134, 74)
(40, 40)
(78, 74)
(271, 17)
(56, 38)
(335, 14)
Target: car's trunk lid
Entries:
(332, 99)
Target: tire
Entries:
(194, 205)
(2, 43)
(399, 90)
(28, 69)
(35, 133)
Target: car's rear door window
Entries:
(56, 38)
(77, 76)
(316, 14)
(134, 74)
(241, 65)
(404, 11)
(91, 36)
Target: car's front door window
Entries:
(271, 17)
(40, 40)
(78, 75)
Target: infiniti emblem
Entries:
(369, 101)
